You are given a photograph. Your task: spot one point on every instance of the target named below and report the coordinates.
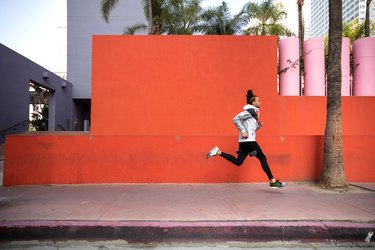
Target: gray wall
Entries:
(85, 20)
(16, 72)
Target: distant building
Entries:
(351, 9)
(307, 18)
(85, 20)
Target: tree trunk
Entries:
(333, 176)
(151, 28)
(367, 21)
(301, 39)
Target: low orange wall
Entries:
(159, 103)
(167, 159)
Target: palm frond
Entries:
(106, 7)
(265, 18)
(139, 27)
(219, 21)
(180, 16)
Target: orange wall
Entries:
(159, 103)
(306, 115)
(177, 85)
(51, 159)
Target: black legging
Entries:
(244, 149)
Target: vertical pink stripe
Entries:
(314, 67)
(289, 66)
(364, 67)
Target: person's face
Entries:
(256, 102)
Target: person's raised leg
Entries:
(241, 155)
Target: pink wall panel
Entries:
(364, 67)
(289, 66)
(314, 67)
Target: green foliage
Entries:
(265, 19)
(180, 17)
(186, 17)
(131, 30)
(39, 121)
(106, 8)
(219, 21)
(39, 98)
(353, 30)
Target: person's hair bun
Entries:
(249, 93)
(250, 96)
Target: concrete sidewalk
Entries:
(158, 212)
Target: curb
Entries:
(161, 231)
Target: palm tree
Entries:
(367, 21)
(152, 11)
(139, 27)
(333, 176)
(300, 37)
(106, 7)
(181, 16)
(265, 19)
(300, 25)
(219, 21)
(164, 16)
(353, 30)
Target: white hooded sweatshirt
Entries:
(247, 121)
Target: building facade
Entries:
(17, 73)
(307, 19)
(351, 9)
(85, 20)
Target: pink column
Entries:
(314, 76)
(364, 67)
(289, 66)
(345, 67)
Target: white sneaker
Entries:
(213, 152)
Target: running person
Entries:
(247, 122)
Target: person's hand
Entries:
(245, 134)
(260, 123)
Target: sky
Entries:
(36, 29)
